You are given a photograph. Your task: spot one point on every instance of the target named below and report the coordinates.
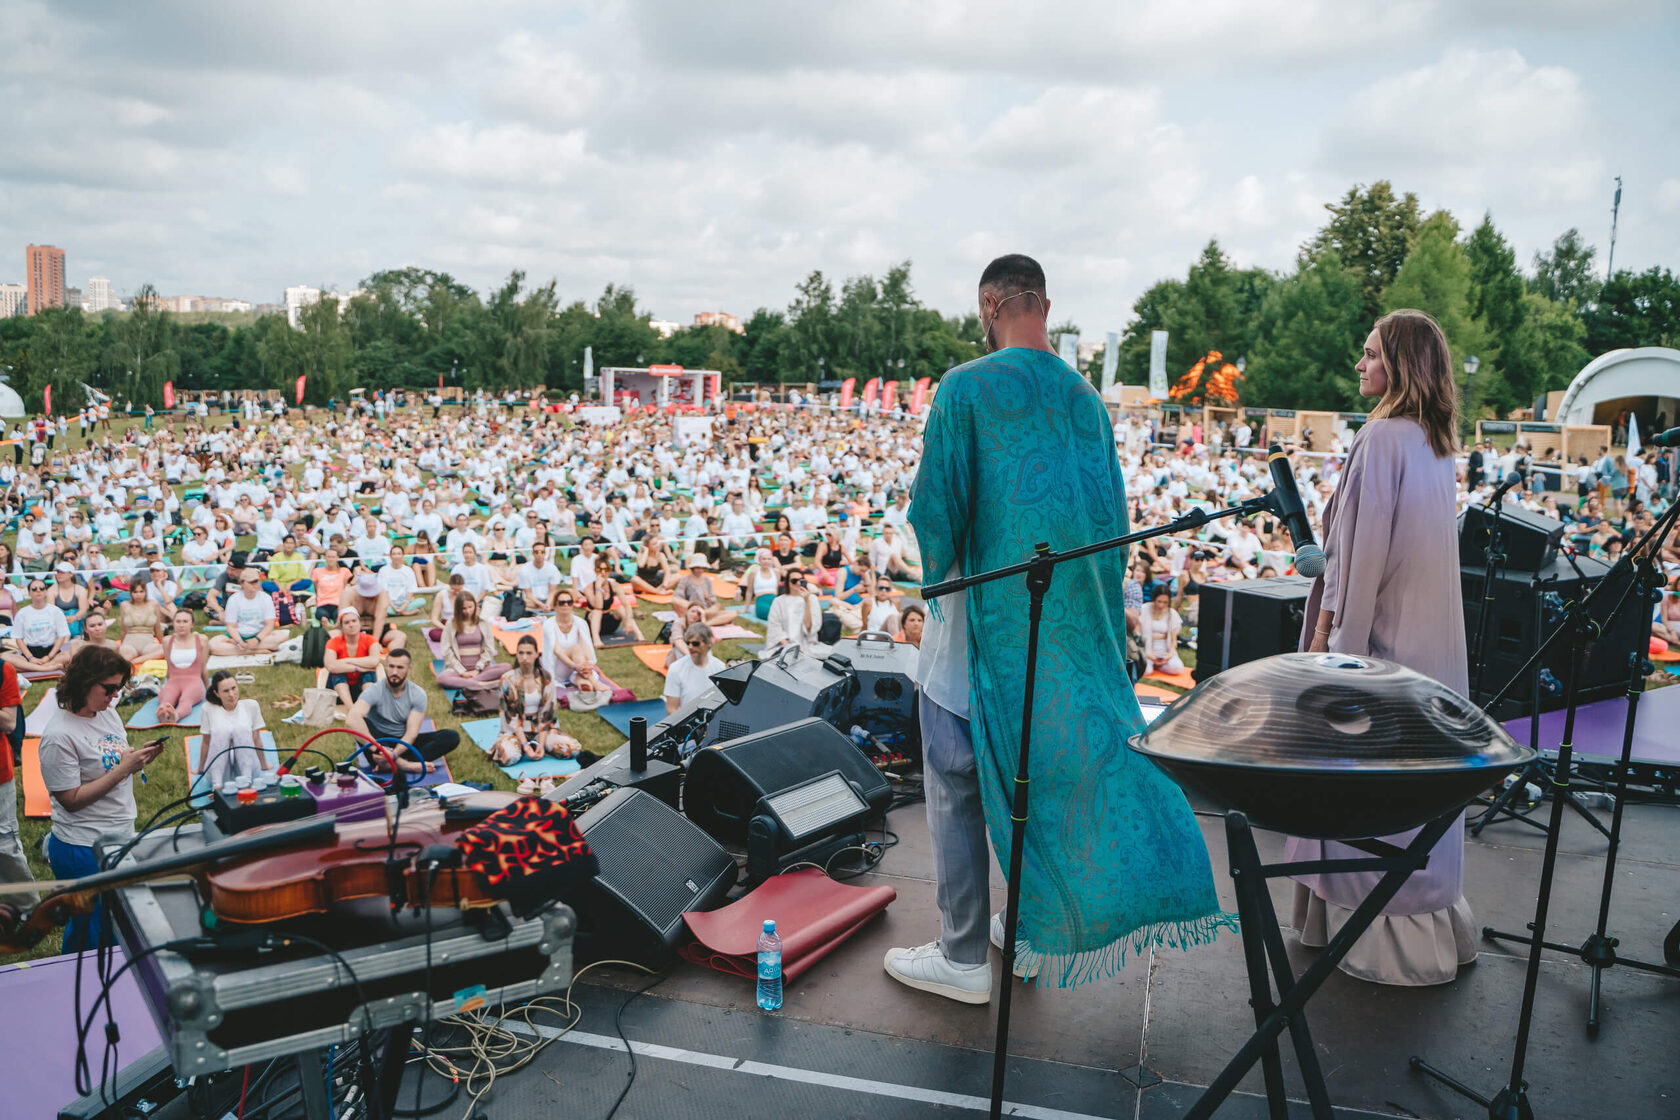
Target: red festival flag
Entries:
(919, 397)
(889, 396)
(846, 392)
(301, 379)
(169, 394)
(46, 396)
(870, 389)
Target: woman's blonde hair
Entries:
(1421, 385)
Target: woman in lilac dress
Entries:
(1390, 589)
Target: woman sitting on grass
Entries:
(529, 711)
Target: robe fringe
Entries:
(1070, 970)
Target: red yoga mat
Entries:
(813, 914)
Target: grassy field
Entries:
(279, 687)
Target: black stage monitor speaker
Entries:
(885, 704)
(1245, 620)
(654, 867)
(1530, 539)
(1526, 607)
(726, 783)
(780, 689)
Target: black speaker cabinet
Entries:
(1526, 607)
(726, 782)
(780, 689)
(1245, 620)
(885, 703)
(1530, 539)
(655, 866)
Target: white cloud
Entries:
(711, 156)
(1474, 121)
(1668, 198)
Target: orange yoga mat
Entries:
(813, 914)
(725, 588)
(1182, 680)
(1156, 693)
(510, 638)
(652, 656)
(653, 596)
(37, 802)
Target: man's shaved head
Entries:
(1011, 274)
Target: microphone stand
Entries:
(1038, 571)
(1511, 1102)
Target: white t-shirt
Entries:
(76, 750)
(555, 639)
(40, 627)
(686, 680)
(583, 570)
(942, 668)
(477, 577)
(399, 583)
(538, 581)
(246, 615)
(236, 729)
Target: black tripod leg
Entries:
(1250, 883)
(1312, 1075)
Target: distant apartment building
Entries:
(98, 297)
(299, 297)
(72, 297)
(269, 308)
(43, 267)
(14, 300)
(665, 327)
(718, 319)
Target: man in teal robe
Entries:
(1019, 449)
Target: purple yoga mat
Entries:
(1599, 725)
(37, 1064)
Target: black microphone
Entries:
(1286, 500)
(1514, 479)
(1670, 438)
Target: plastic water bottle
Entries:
(769, 968)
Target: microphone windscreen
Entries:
(1309, 560)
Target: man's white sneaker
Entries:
(926, 969)
(1022, 970)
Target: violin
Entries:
(361, 859)
(20, 930)
(278, 872)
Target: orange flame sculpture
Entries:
(1200, 386)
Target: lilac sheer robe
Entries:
(1391, 545)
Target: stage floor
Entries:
(849, 1042)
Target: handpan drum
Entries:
(1330, 746)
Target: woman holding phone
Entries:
(88, 767)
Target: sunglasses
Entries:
(695, 643)
(107, 688)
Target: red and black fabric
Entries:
(530, 853)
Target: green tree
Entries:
(1565, 273)
(140, 351)
(1544, 352)
(1318, 325)
(1635, 309)
(61, 352)
(1370, 231)
(813, 342)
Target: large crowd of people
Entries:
(186, 538)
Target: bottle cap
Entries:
(769, 925)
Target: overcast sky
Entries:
(711, 155)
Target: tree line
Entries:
(1300, 331)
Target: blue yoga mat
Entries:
(147, 716)
(483, 734)
(620, 715)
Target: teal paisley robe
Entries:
(1019, 449)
